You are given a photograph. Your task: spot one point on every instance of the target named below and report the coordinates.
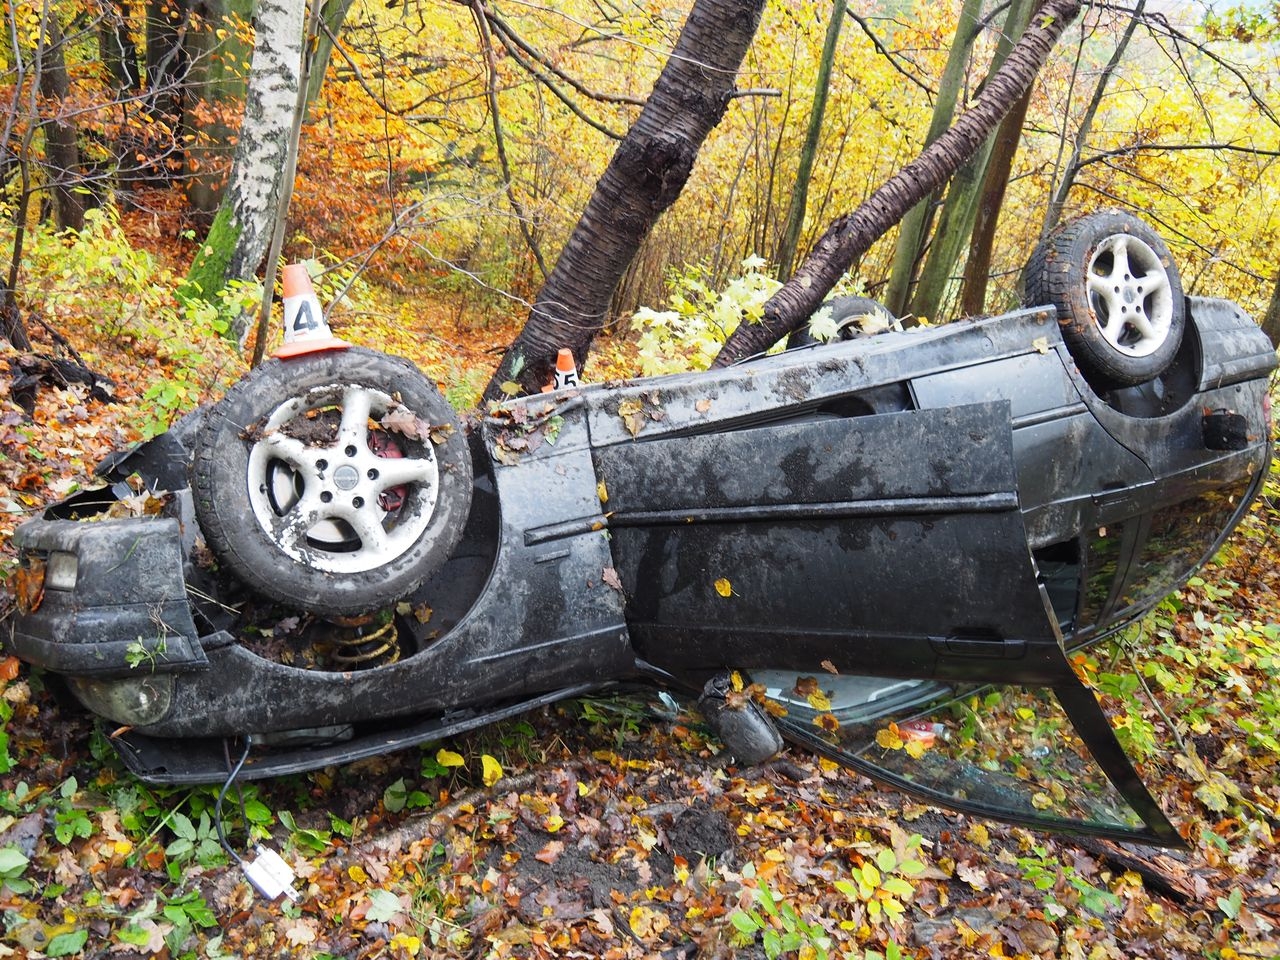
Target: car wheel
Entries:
(335, 483)
(1118, 296)
(848, 314)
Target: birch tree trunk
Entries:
(851, 235)
(242, 229)
(645, 176)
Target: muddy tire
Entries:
(847, 313)
(335, 483)
(1117, 294)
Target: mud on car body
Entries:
(899, 523)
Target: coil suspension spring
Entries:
(375, 649)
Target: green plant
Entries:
(13, 864)
(621, 715)
(698, 320)
(780, 927)
(882, 887)
(70, 821)
(194, 840)
(1057, 879)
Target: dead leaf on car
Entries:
(631, 411)
(724, 587)
(610, 577)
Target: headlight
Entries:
(136, 701)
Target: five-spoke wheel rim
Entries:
(1130, 296)
(329, 494)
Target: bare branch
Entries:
(888, 54)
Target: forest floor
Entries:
(610, 828)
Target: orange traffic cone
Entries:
(566, 372)
(305, 329)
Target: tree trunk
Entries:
(851, 235)
(62, 155)
(646, 174)
(959, 211)
(331, 17)
(1271, 322)
(242, 229)
(977, 267)
(915, 226)
(800, 189)
(167, 61)
(215, 79)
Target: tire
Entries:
(314, 508)
(1117, 294)
(846, 312)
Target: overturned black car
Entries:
(879, 532)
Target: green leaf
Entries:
(742, 922)
(395, 796)
(255, 811)
(898, 887)
(12, 862)
(1230, 905)
(847, 888)
(886, 860)
(772, 944)
(134, 936)
(383, 905)
(67, 944)
(181, 825)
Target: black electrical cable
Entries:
(217, 807)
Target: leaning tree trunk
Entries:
(647, 173)
(242, 229)
(852, 235)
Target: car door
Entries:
(884, 546)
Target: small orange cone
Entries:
(566, 372)
(305, 329)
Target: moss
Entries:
(208, 273)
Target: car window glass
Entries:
(1103, 549)
(1179, 538)
(1007, 751)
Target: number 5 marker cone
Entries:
(305, 329)
(566, 372)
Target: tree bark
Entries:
(62, 155)
(977, 267)
(1271, 322)
(851, 235)
(915, 225)
(959, 210)
(645, 176)
(242, 229)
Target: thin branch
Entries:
(486, 43)
(887, 54)
(505, 30)
(517, 54)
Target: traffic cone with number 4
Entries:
(305, 329)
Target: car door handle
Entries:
(986, 647)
